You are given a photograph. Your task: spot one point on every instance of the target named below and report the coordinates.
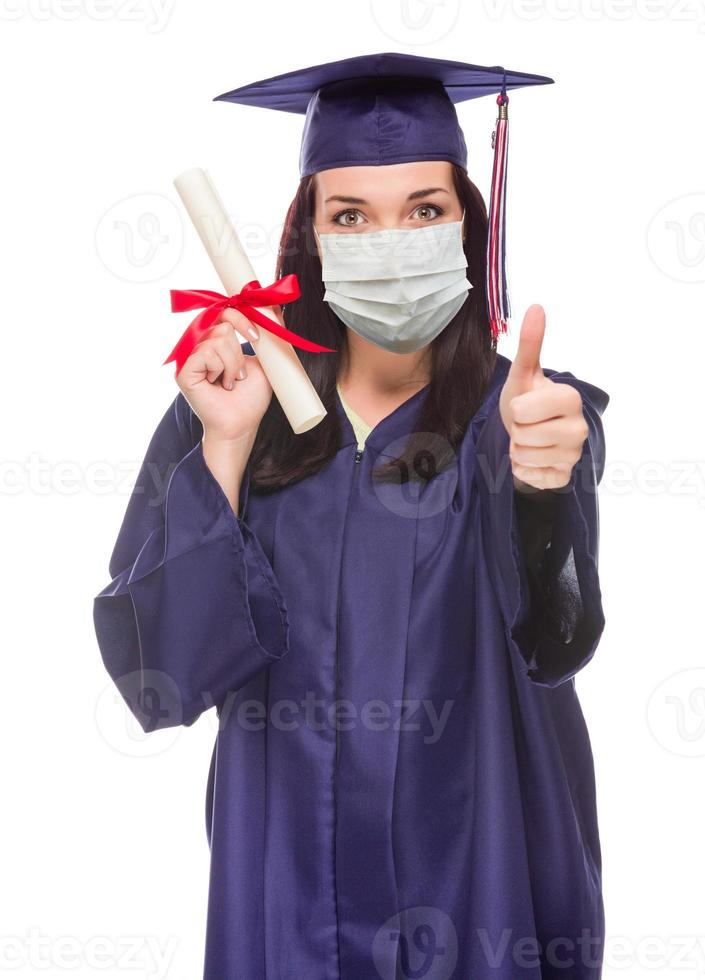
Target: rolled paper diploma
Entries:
(292, 386)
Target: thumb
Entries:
(526, 364)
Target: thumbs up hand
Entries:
(544, 419)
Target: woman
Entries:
(388, 616)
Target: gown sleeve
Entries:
(542, 555)
(193, 610)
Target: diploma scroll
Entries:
(290, 383)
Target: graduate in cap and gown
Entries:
(387, 612)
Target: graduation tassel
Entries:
(498, 304)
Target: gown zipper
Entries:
(357, 459)
(356, 470)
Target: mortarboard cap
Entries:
(388, 108)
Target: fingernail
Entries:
(253, 333)
(230, 384)
(241, 374)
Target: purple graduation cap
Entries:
(385, 108)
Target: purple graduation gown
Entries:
(445, 826)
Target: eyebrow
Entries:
(414, 196)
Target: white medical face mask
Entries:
(399, 287)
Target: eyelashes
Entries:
(335, 219)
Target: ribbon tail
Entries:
(280, 331)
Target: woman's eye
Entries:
(423, 210)
(348, 218)
(352, 218)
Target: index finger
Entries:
(240, 322)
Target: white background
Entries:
(103, 834)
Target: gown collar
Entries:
(398, 423)
(401, 421)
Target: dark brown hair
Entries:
(462, 359)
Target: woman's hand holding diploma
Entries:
(544, 418)
(295, 392)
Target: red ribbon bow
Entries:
(251, 295)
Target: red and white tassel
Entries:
(498, 304)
